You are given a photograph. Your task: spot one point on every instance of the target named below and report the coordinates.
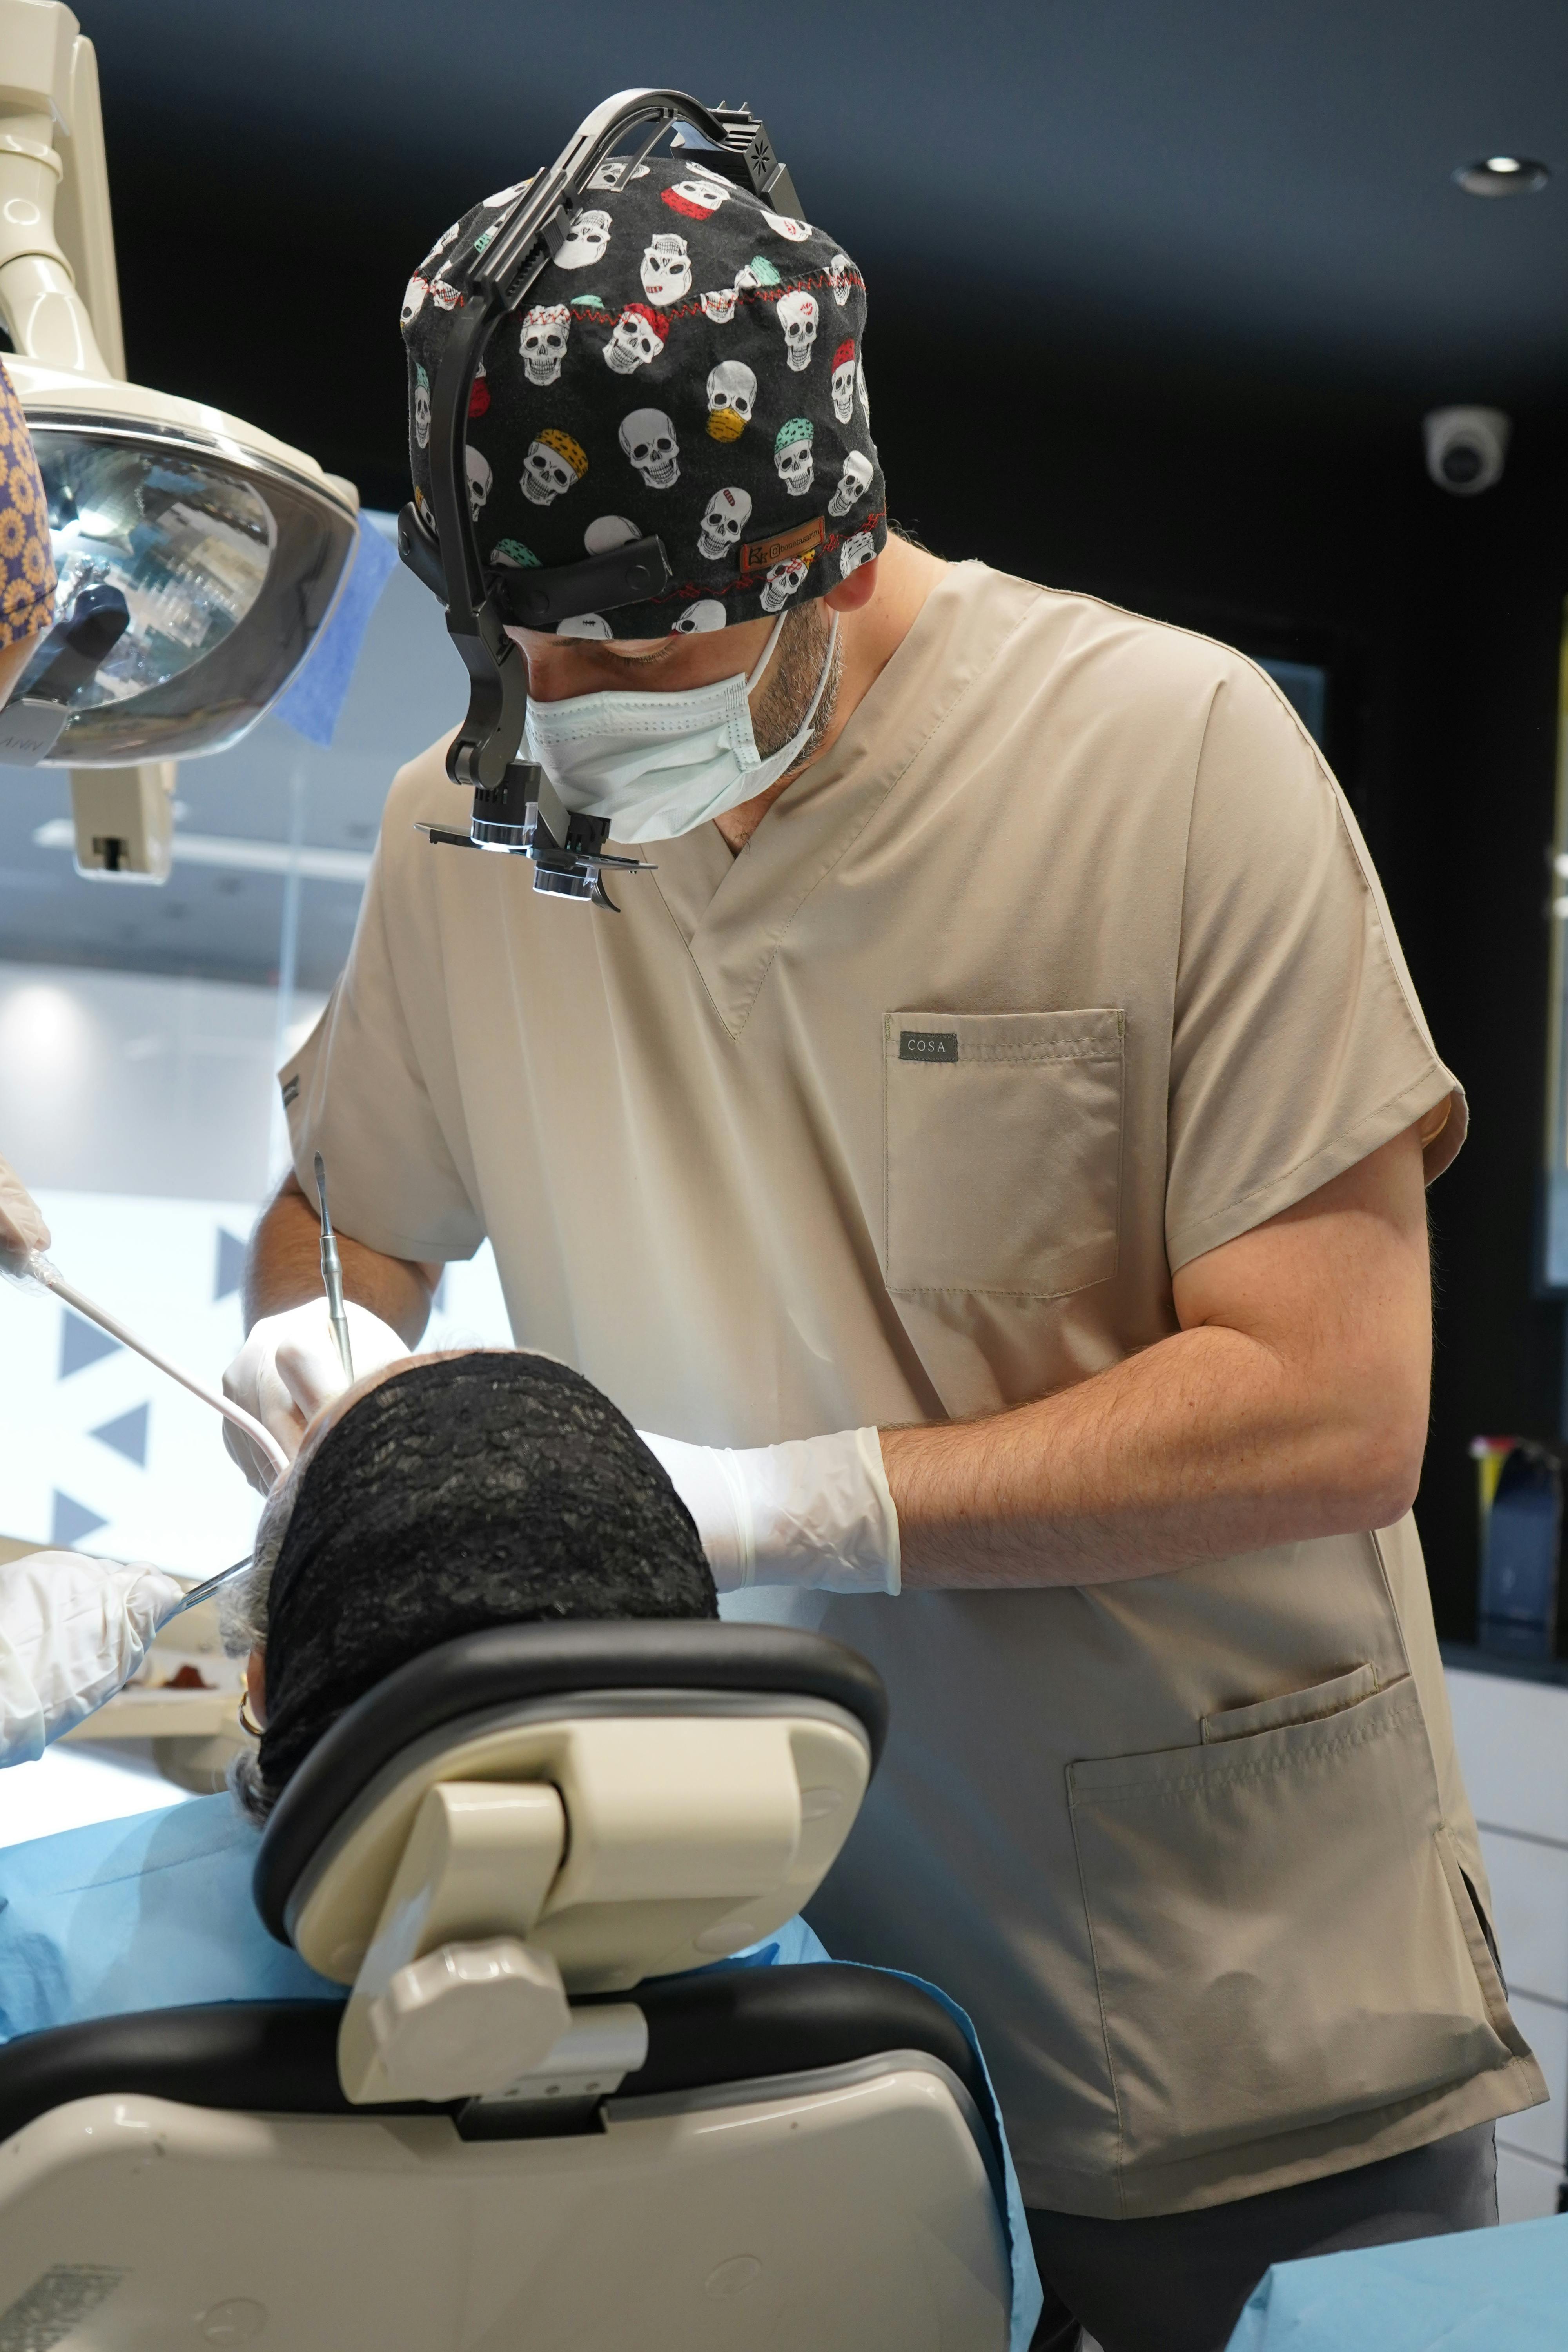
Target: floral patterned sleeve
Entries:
(26, 563)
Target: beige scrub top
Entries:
(1064, 964)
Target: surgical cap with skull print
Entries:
(689, 366)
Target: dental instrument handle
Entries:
(333, 1276)
(44, 1273)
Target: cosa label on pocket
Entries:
(928, 1044)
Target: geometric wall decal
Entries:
(230, 1270)
(181, 1503)
(128, 1435)
(82, 1343)
(69, 1521)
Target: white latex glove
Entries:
(72, 1629)
(288, 1369)
(816, 1512)
(22, 1227)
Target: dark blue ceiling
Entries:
(1223, 173)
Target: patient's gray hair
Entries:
(242, 1605)
(242, 1609)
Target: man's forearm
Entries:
(1292, 1404)
(284, 1270)
(1195, 1449)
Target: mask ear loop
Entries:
(826, 673)
(767, 653)
(822, 681)
(778, 764)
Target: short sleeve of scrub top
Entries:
(1298, 1043)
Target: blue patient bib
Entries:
(151, 1913)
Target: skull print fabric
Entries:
(689, 367)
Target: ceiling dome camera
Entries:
(1466, 448)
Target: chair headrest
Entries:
(480, 1673)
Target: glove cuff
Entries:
(822, 1514)
(21, 1727)
(814, 1513)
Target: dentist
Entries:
(988, 1145)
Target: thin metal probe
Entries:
(332, 1276)
(197, 1594)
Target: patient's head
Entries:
(449, 1494)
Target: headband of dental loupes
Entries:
(658, 561)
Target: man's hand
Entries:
(814, 1511)
(1291, 1403)
(72, 1630)
(288, 1366)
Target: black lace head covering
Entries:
(483, 1490)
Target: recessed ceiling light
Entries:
(1502, 175)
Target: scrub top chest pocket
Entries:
(1001, 1149)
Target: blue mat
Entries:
(1479, 2291)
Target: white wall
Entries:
(1512, 1739)
(127, 1083)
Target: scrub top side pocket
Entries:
(1001, 1151)
(1281, 1937)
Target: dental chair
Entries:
(547, 2116)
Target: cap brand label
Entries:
(783, 547)
(291, 1089)
(928, 1044)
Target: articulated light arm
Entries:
(48, 88)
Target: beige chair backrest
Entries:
(574, 1847)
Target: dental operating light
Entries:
(515, 807)
(218, 550)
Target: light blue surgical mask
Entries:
(661, 764)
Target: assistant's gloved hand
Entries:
(816, 1511)
(288, 1369)
(72, 1629)
(22, 1227)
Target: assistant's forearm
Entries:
(284, 1270)
(1201, 1446)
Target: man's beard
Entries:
(785, 693)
